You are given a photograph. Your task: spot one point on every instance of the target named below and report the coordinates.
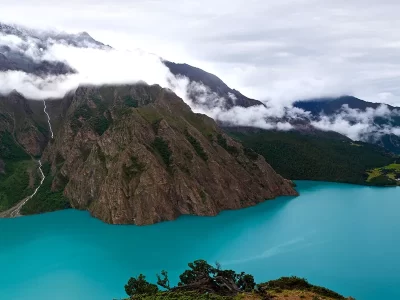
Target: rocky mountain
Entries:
(214, 84)
(316, 108)
(383, 120)
(204, 89)
(138, 154)
(21, 53)
(131, 155)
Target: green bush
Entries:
(221, 140)
(203, 281)
(139, 285)
(296, 283)
(10, 150)
(100, 104)
(83, 111)
(14, 184)
(129, 101)
(250, 153)
(99, 124)
(196, 146)
(162, 147)
(382, 180)
(134, 168)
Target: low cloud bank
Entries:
(96, 64)
(358, 124)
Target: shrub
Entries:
(203, 281)
(99, 124)
(296, 283)
(382, 180)
(9, 149)
(221, 140)
(162, 147)
(100, 104)
(83, 111)
(129, 101)
(46, 199)
(139, 285)
(134, 168)
(196, 146)
(250, 153)
(14, 184)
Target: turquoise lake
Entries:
(343, 237)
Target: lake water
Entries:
(344, 237)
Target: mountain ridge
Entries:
(145, 156)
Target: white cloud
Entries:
(93, 66)
(357, 124)
(276, 50)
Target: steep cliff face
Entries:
(139, 155)
(24, 121)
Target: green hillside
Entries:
(316, 157)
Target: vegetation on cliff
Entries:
(148, 158)
(48, 198)
(17, 168)
(129, 154)
(204, 281)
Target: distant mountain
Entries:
(44, 38)
(216, 85)
(16, 57)
(331, 106)
(334, 106)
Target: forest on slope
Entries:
(321, 157)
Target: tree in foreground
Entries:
(204, 280)
(139, 285)
(200, 277)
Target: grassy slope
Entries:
(305, 157)
(277, 295)
(289, 288)
(14, 183)
(386, 175)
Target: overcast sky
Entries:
(283, 50)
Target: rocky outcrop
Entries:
(25, 122)
(139, 155)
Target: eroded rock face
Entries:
(25, 122)
(139, 155)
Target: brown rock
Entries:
(117, 167)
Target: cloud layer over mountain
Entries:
(279, 50)
(276, 52)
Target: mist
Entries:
(93, 63)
